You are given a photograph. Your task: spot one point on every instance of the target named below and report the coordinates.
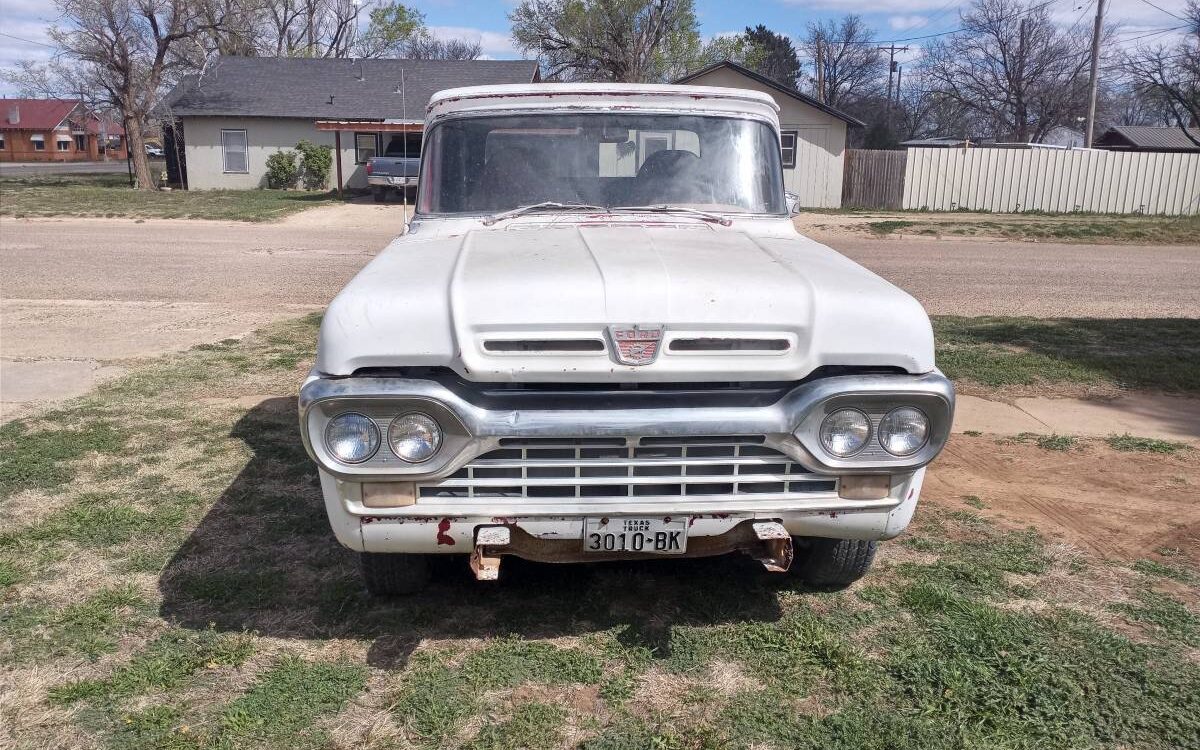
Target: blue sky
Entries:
(23, 23)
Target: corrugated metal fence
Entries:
(873, 179)
(1052, 180)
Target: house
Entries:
(241, 110)
(1145, 138)
(57, 130)
(812, 134)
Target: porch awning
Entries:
(374, 126)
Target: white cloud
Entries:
(495, 44)
(904, 23)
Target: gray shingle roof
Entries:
(333, 89)
(1140, 137)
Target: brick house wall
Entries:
(33, 130)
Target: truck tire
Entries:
(394, 575)
(379, 194)
(836, 563)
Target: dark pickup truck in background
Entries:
(397, 168)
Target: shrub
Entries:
(317, 161)
(282, 170)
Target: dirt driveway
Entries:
(81, 296)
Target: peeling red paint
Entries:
(371, 519)
(910, 493)
(442, 536)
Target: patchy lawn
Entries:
(109, 195)
(1069, 227)
(1101, 355)
(168, 580)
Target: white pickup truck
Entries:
(603, 339)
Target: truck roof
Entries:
(603, 97)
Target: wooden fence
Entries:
(873, 179)
(1052, 180)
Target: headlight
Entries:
(414, 437)
(903, 431)
(352, 438)
(845, 432)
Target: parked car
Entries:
(398, 168)
(155, 151)
(602, 338)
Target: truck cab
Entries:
(603, 339)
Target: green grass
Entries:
(44, 459)
(1033, 226)
(31, 631)
(165, 664)
(1128, 443)
(110, 195)
(1165, 616)
(1161, 570)
(884, 228)
(533, 726)
(1159, 354)
(184, 592)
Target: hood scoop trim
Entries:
(711, 344)
(543, 346)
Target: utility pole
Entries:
(892, 69)
(1091, 113)
(820, 73)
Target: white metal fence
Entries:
(1052, 180)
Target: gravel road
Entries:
(80, 297)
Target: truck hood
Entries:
(536, 306)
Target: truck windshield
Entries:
(499, 163)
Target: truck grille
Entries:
(668, 467)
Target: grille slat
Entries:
(650, 469)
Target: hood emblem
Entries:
(636, 344)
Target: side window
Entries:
(39, 141)
(787, 144)
(233, 151)
(365, 146)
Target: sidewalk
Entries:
(1140, 414)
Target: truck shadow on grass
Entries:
(263, 559)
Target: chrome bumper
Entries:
(390, 181)
(790, 425)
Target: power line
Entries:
(28, 41)
(1164, 10)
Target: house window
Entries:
(233, 150)
(787, 144)
(64, 144)
(39, 141)
(366, 145)
(1, 142)
(81, 143)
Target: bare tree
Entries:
(306, 28)
(1016, 72)
(608, 40)
(130, 49)
(1170, 76)
(428, 47)
(850, 64)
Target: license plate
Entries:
(658, 535)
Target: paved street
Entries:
(976, 277)
(80, 297)
(21, 169)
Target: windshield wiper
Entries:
(543, 206)
(669, 209)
